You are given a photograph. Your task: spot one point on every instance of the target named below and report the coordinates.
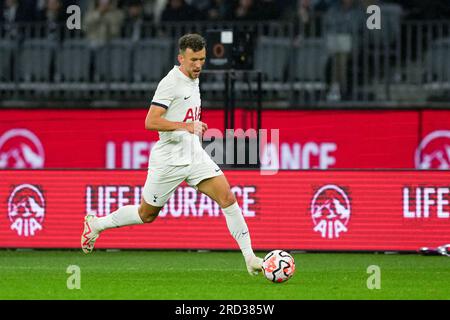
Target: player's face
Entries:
(191, 62)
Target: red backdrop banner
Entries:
(305, 210)
(322, 139)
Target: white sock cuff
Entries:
(231, 210)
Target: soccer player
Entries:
(178, 156)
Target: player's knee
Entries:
(148, 215)
(227, 199)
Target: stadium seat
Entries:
(310, 60)
(112, 61)
(152, 59)
(437, 61)
(272, 56)
(7, 52)
(73, 61)
(36, 60)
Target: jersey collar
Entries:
(183, 76)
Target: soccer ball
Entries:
(278, 266)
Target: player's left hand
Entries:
(200, 128)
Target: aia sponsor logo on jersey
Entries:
(26, 210)
(193, 114)
(21, 149)
(330, 211)
(433, 151)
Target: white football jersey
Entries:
(180, 96)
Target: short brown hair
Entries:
(193, 41)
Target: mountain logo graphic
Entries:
(330, 211)
(433, 151)
(21, 149)
(26, 210)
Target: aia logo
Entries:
(330, 211)
(26, 210)
(433, 151)
(21, 149)
(193, 114)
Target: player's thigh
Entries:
(218, 189)
(208, 178)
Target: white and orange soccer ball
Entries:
(278, 266)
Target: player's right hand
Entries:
(197, 127)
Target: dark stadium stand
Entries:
(326, 56)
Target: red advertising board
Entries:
(321, 139)
(305, 210)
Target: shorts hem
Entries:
(198, 180)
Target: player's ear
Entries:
(180, 57)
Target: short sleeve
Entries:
(164, 94)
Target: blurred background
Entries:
(312, 53)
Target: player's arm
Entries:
(155, 121)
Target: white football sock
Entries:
(124, 216)
(238, 229)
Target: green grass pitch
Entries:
(181, 275)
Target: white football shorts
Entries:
(162, 179)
